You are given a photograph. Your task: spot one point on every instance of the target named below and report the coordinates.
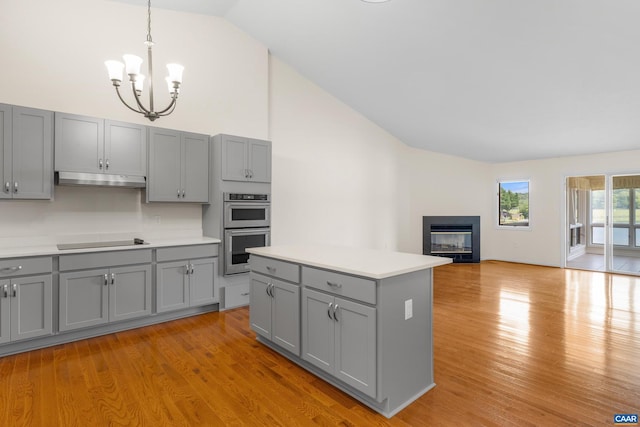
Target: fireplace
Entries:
(456, 237)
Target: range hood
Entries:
(99, 179)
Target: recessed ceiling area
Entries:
(490, 80)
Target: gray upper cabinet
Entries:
(245, 159)
(93, 145)
(26, 153)
(178, 166)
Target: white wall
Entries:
(440, 184)
(53, 55)
(543, 244)
(336, 177)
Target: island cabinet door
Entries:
(260, 305)
(285, 315)
(355, 345)
(318, 329)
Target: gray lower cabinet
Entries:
(178, 166)
(101, 295)
(182, 284)
(26, 298)
(94, 145)
(339, 336)
(187, 281)
(275, 311)
(26, 153)
(25, 308)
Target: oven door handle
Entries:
(247, 231)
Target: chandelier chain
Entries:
(149, 40)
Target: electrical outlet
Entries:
(408, 309)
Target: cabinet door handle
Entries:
(267, 289)
(7, 187)
(183, 192)
(334, 284)
(191, 269)
(250, 173)
(106, 164)
(99, 163)
(178, 193)
(15, 186)
(113, 278)
(15, 290)
(106, 279)
(335, 309)
(6, 291)
(186, 269)
(329, 310)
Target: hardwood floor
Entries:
(513, 344)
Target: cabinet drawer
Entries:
(280, 269)
(340, 284)
(236, 296)
(22, 266)
(104, 259)
(186, 252)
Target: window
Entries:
(513, 203)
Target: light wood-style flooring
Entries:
(513, 345)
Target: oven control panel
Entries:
(232, 197)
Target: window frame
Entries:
(513, 183)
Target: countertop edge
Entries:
(52, 250)
(392, 272)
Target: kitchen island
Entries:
(359, 319)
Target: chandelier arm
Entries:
(141, 108)
(125, 102)
(171, 107)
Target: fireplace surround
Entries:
(456, 237)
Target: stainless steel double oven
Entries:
(247, 221)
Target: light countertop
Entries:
(370, 263)
(51, 249)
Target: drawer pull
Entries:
(271, 269)
(245, 294)
(334, 284)
(12, 269)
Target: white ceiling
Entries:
(491, 80)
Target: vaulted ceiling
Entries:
(491, 80)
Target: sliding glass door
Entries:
(603, 223)
(625, 224)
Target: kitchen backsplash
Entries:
(94, 213)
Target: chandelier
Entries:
(133, 64)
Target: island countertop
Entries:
(374, 264)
